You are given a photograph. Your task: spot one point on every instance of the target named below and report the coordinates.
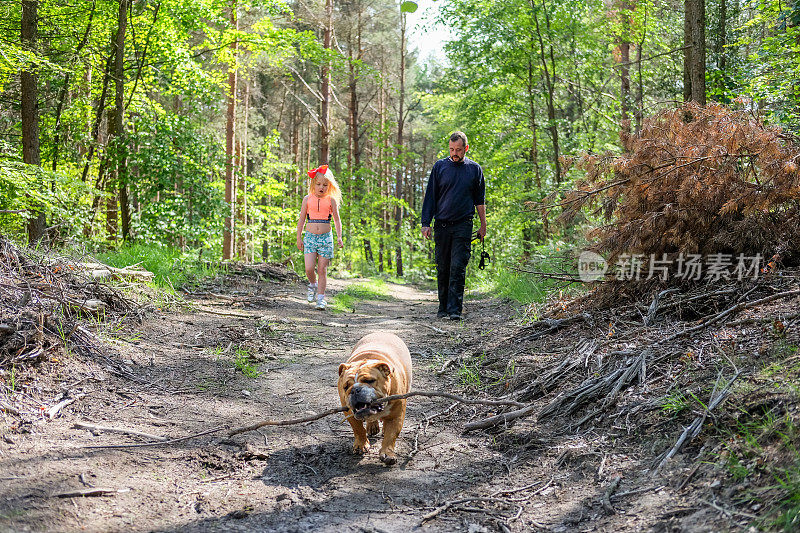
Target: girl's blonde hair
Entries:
(333, 186)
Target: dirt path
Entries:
(295, 478)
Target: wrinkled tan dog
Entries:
(379, 366)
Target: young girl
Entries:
(319, 206)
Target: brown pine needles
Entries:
(696, 180)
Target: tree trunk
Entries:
(533, 156)
(325, 90)
(116, 135)
(722, 36)
(550, 78)
(30, 110)
(639, 103)
(241, 167)
(230, 133)
(98, 118)
(398, 186)
(624, 47)
(694, 57)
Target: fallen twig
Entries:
(105, 429)
(53, 411)
(317, 416)
(502, 418)
(434, 328)
(160, 443)
(697, 424)
(447, 505)
(713, 319)
(609, 509)
(85, 493)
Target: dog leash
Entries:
(484, 256)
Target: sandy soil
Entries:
(301, 477)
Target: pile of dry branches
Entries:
(580, 367)
(697, 180)
(45, 301)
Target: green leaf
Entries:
(408, 7)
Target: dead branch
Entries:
(549, 275)
(317, 416)
(85, 493)
(160, 443)
(447, 505)
(53, 411)
(609, 509)
(713, 319)
(105, 429)
(609, 386)
(697, 424)
(290, 422)
(502, 418)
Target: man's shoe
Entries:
(441, 314)
(456, 317)
(312, 291)
(321, 303)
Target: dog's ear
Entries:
(343, 367)
(384, 369)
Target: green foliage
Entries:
(242, 361)
(676, 402)
(346, 300)
(171, 267)
(27, 188)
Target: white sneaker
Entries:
(312, 291)
(321, 303)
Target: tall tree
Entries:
(550, 82)
(401, 118)
(117, 174)
(694, 54)
(30, 108)
(230, 134)
(325, 89)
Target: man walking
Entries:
(456, 189)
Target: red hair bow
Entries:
(321, 170)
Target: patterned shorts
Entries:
(321, 244)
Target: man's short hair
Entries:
(458, 136)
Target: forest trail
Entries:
(182, 379)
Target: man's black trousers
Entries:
(453, 242)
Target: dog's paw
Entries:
(388, 458)
(373, 427)
(360, 448)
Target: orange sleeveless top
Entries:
(319, 209)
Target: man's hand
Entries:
(426, 232)
(482, 232)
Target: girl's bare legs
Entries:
(310, 259)
(322, 274)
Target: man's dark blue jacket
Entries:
(454, 189)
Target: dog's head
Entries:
(361, 383)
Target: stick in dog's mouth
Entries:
(362, 410)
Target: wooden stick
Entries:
(258, 425)
(105, 429)
(160, 443)
(53, 411)
(317, 416)
(499, 419)
(84, 493)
